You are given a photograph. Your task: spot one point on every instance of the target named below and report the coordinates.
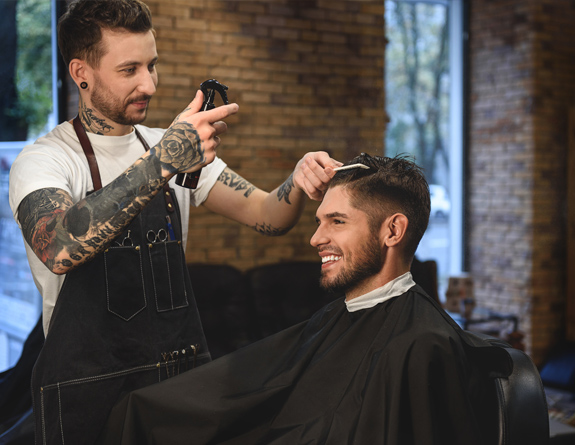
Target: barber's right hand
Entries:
(191, 141)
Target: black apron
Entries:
(125, 320)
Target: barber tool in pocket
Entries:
(160, 236)
(126, 242)
(209, 88)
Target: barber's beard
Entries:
(113, 108)
(368, 263)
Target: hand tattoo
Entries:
(177, 119)
(285, 189)
(235, 181)
(180, 148)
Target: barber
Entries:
(105, 228)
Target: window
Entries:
(424, 100)
(28, 104)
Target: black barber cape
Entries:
(399, 373)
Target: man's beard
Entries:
(368, 263)
(112, 108)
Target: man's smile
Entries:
(330, 258)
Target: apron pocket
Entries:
(124, 291)
(75, 412)
(167, 263)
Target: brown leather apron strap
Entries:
(89, 152)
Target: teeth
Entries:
(329, 258)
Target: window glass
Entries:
(27, 110)
(422, 80)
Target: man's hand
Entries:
(191, 141)
(313, 173)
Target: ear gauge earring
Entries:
(83, 85)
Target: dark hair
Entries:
(80, 27)
(390, 185)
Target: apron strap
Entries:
(93, 163)
(89, 152)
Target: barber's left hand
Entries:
(313, 173)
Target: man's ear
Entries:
(80, 72)
(394, 229)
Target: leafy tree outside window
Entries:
(421, 90)
(27, 71)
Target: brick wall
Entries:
(308, 75)
(522, 65)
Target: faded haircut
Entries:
(389, 186)
(80, 27)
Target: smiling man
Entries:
(384, 364)
(370, 223)
(106, 226)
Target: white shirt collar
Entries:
(394, 288)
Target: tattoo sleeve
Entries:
(65, 235)
(285, 189)
(236, 182)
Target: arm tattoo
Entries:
(91, 122)
(269, 230)
(236, 182)
(37, 213)
(180, 148)
(285, 189)
(65, 235)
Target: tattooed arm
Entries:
(65, 235)
(273, 213)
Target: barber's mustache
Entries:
(143, 98)
(331, 249)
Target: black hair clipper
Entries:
(209, 88)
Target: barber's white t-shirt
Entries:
(58, 161)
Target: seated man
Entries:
(383, 365)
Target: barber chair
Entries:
(425, 274)
(224, 306)
(518, 407)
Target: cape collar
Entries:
(394, 288)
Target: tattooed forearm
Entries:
(285, 189)
(269, 230)
(37, 215)
(236, 182)
(91, 122)
(180, 148)
(65, 235)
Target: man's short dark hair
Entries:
(390, 185)
(80, 27)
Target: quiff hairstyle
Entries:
(389, 186)
(80, 27)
